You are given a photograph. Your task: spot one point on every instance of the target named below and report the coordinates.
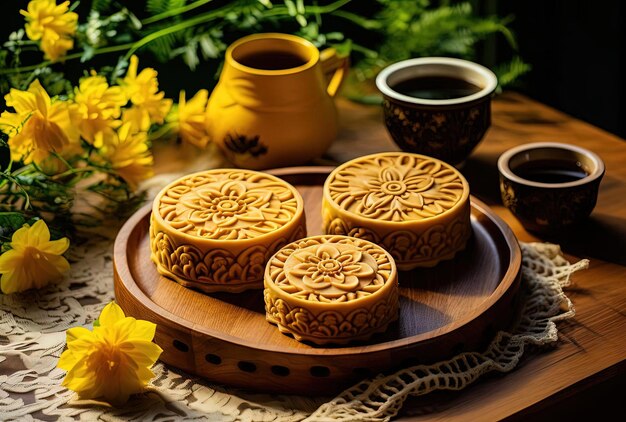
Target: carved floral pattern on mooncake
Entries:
(228, 205)
(217, 266)
(407, 246)
(323, 270)
(396, 187)
(331, 326)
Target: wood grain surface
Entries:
(585, 374)
(456, 306)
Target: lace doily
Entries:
(32, 337)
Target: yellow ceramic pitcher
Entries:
(273, 106)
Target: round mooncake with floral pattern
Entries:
(331, 289)
(416, 207)
(215, 230)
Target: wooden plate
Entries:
(456, 306)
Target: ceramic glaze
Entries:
(446, 127)
(272, 116)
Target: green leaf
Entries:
(190, 56)
(155, 7)
(11, 221)
(507, 73)
(291, 8)
(101, 5)
(134, 20)
(301, 20)
(87, 53)
(343, 49)
(208, 47)
(162, 47)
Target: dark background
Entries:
(577, 50)
(578, 53)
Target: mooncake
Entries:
(416, 207)
(215, 230)
(331, 289)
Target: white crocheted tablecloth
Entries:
(33, 325)
(32, 337)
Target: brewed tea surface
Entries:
(436, 88)
(272, 60)
(550, 171)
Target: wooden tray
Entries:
(456, 306)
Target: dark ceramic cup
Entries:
(550, 186)
(447, 129)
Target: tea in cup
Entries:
(550, 186)
(437, 106)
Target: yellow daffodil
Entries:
(33, 260)
(113, 361)
(129, 155)
(38, 126)
(190, 118)
(53, 24)
(149, 105)
(97, 105)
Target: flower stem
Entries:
(206, 17)
(174, 12)
(359, 20)
(162, 131)
(74, 56)
(203, 18)
(320, 10)
(73, 172)
(328, 8)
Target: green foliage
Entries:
(155, 7)
(101, 5)
(199, 31)
(417, 28)
(510, 72)
(373, 32)
(9, 222)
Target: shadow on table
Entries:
(601, 236)
(483, 177)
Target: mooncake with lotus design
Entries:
(331, 289)
(215, 230)
(416, 207)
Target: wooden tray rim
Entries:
(511, 274)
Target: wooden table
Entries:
(584, 374)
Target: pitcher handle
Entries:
(335, 69)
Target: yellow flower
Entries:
(129, 155)
(34, 260)
(53, 24)
(55, 48)
(97, 106)
(149, 106)
(113, 361)
(190, 117)
(38, 126)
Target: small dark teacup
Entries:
(437, 106)
(550, 186)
